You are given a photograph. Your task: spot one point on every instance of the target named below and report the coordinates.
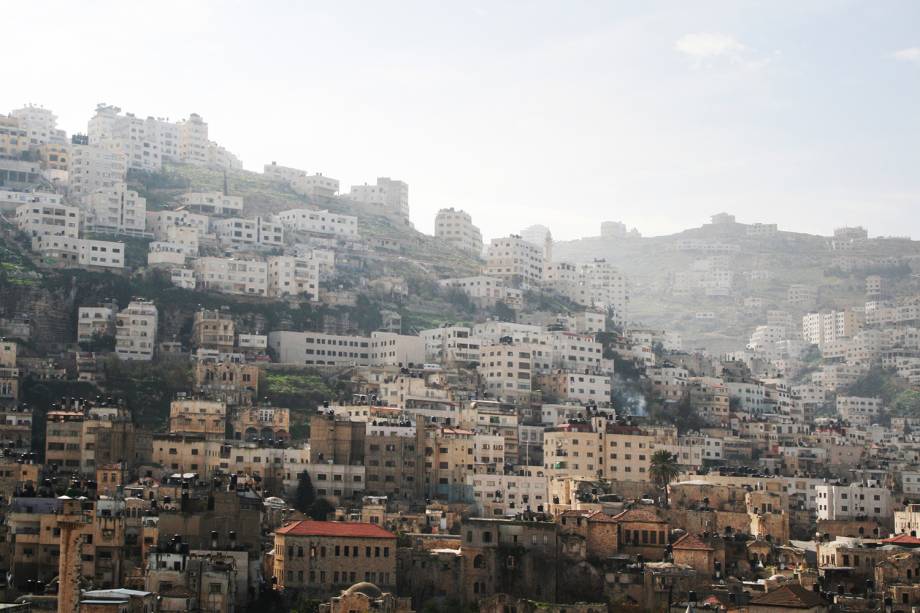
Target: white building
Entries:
(486, 291)
(456, 228)
(390, 195)
(240, 232)
(161, 222)
(139, 140)
(94, 167)
(450, 345)
(859, 411)
(212, 203)
(95, 321)
(80, 252)
(232, 276)
(508, 370)
(40, 124)
(314, 348)
(510, 493)
(136, 331)
(193, 140)
(293, 276)
(823, 328)
(116, 209)
(12, 200)
(163, 253)
(515, 260)
(319, 222)
(391, 349)
(37, 219)
(843, 502)
(492, 332)
(576, 386)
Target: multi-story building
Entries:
(40, 125)
(391, 349)
(321, 558)
(319, 222)
(314, 348)
(822, 328)
(80, 252)
(95, 321)
(14, 138)
(93, 167)
(574, 386)
(116, 209)
(9, 373)
(212, 203)
(390, 195)
(232, 276)
(48, 220)
(843, 502)
(214, 329)
(456, 228)
(515, 260)
(598, 448)
(235, 383)
(290, 275)
(602, 285)
(136, 331)
(509, 369)
(486, 291)
(192, 416)
(450, 345)
(161, 223)
(193, 140)
(240, 232)
(859, 411)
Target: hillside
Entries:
(837, 272)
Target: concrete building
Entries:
(207, 418)
(844, 502)
(214, 329)
(508, 370)
(314, 348)
(212, 203)
(515, 260)
(456, 228)
(293, 276)
(94, 321)
(485, 291)
(136, 331)
(48, 220)
(193, 140)
(161, 223)
(93, 167)
(390, 195)
(450, 345)
(40, 125)
(319, 222)
(232, 276)
(79, 252)
(258, 232)
(116, 209)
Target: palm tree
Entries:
(663, 469)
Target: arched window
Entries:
(478, 562)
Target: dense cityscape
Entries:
(225, 390)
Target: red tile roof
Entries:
(639, 515)
(309, 527)
(789, 597)
(902, 539)
(690, 541)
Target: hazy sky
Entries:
(562, 113)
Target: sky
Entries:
(657, 114)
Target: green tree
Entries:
(320, 509)
(663, 469)
(306, 495)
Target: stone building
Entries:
(317, 558)
(366, 597)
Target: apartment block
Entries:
(232, 276)
(456, 228)
(390, 195)
(93, 321)
(319, 222)
(80, 252)
(257, 232)
(212, 203)
(515, 260)
(48, 220)
(93, 167)
(116, 209)
(293, 276)
(136, 331)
